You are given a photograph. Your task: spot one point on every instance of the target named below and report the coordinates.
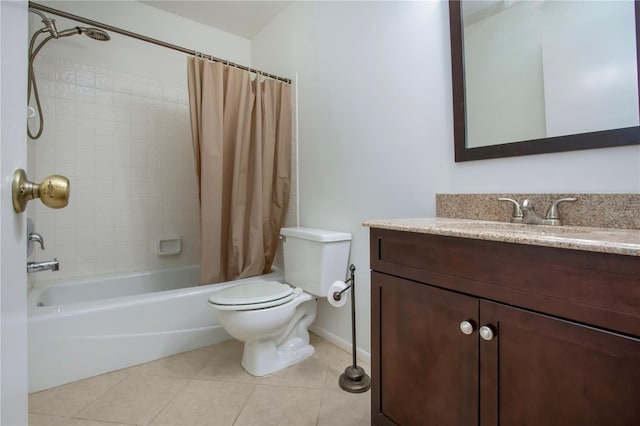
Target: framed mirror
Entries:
(532, 77)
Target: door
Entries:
(13, 155)
(425, 370)
(555, 372)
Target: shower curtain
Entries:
(242, 134)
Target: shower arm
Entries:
(49, 23)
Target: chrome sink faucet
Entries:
(525, 212)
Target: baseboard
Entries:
(341, 343)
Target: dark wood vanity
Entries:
(554, 334)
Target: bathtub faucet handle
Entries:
(34, 236)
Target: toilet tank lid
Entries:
(313, 234)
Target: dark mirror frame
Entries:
(600, 139)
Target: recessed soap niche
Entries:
(169, 246)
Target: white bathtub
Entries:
(79, 329)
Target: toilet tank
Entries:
(315, 258)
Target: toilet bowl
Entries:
(272, 327)
(273, 318)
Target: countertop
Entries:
(604, 240)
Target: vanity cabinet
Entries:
(561, 333)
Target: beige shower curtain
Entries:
(242, 146)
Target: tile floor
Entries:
(208, 386)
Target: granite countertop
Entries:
(604, 240)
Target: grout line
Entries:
(320, 407)
(245, 404)
(97, 397)
(170, 401)
(103, 421)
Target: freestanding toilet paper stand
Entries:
(354, 379)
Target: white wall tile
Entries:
(86, 94)
(85, 77)
(125, 144)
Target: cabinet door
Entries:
(425, 370)
(555, 372)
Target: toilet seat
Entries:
(255, 295)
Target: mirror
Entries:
(533, 76)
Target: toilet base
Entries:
(262, 358)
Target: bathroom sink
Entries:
(510, 231)
(605, 240)
(519, 228)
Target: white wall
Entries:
(117, 124)
(13, 155)
(376, 127)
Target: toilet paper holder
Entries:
(337, 295)
(354, 379)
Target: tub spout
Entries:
(51, 265)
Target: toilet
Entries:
(273, 318)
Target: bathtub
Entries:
(82, 328)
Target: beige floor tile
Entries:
(224, 364)
(135, 400)
(205, 402)
(340, 408)
(87, 422)
(186, 364)
(336, 360)
(44, 420)
(327, 351)
(281, 405)
(310, 373)
(334, 357)
(68, 400)
(208, 386)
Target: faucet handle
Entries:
(516, 215)
(34, 236)
(552, 213)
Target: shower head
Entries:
(93, 33)
(96, 34)
(50, 27)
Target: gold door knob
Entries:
(53, 191)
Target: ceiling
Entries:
(243, 18)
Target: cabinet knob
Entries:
(467, 327)
(486, 332)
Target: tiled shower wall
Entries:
(124, 142)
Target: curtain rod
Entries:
(148, 39)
